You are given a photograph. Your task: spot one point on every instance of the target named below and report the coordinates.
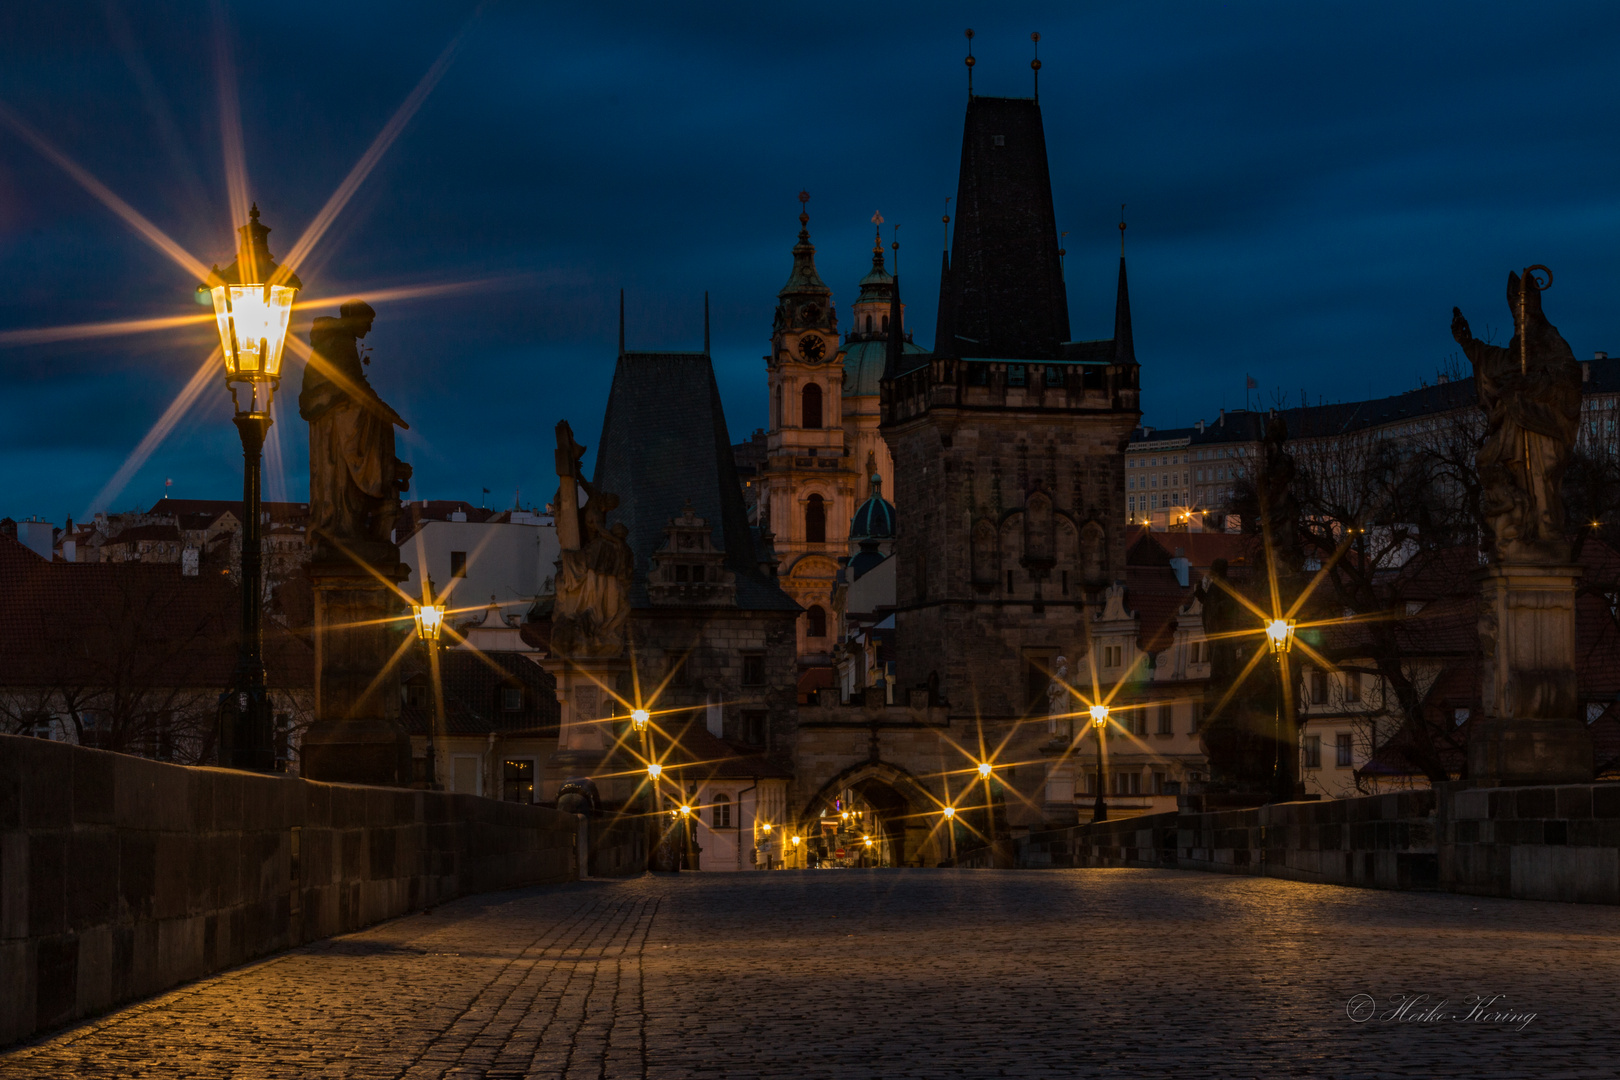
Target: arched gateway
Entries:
(901, 816)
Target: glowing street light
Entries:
(655, 770)
(949, 812)
(797, 840)
(985, 768)
(253, 300)
(1280, 633)
(1099, 720)
(639, 718)
(429, 617)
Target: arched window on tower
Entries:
(815, 520)
(885, 324)
(811, 406)
(869, 324)
(817, 616)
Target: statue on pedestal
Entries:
(355, 479)
(594, 565)
(1530, 392)
(1059, 713)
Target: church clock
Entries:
(811, 349)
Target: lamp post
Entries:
(1280, 635)
(1099, 722)
(950, 830)
(253, 300)
(429, 618)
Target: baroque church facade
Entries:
(825, 457)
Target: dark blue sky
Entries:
(1310, 188)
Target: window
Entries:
(978, 375)
(1054, 375)
(753, 669)
(682, 574)
(1158, 783)
(815, 520)
(810, 406)
(517, 780)
(1313, 751)
(1009, 581)
(1166, 715)
(1139, 722)
(869, 324)
(1197, 711)
(1127, 783)
(816, 617)
(1016, 374)
(1319, 689)
(753, 728)
(722, 811)
(512, 698)
(1352, 686)
(1341, 743)
(416, 693)
(458, 564)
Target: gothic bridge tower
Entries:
(1008, 442)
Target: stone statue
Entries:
(354, 477)
(1530, 392)
(594, 565)
(1058, 718)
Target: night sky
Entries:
(1310, 188)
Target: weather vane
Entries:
(877, 229)
(1035, 64)
(969, 61)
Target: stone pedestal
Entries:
(356, 737)
(1532, 731)
(1057, 804)
(585, 737)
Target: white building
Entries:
(477, 557)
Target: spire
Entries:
(1124, 346)
(804, 279)
(969, 62)
(621, 322)
(897, 335)
(705, 322)
(1035, 64)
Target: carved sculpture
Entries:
(355, 479)
(594, 565)
(1057, 699)
(1530, 392)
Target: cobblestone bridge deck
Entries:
(925, 973)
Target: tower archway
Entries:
(903, 818)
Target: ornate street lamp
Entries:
(1099, 721)
(429, 618)
(253, 300)
(1280, 633)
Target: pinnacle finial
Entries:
(877, 231)
(969, 61)
(1035, 64)
(1122, 230)
(804, 215)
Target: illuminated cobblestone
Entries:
(926, 973)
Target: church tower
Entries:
(810, 482)
(1008, 443)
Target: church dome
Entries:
(875, 518)
(864, 362)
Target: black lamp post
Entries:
(1280, 635)
(1099, 723)
(429, 618)
(253, 300)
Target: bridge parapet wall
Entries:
(121, 877)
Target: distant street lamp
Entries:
(429, 618)
(950, 829)
(253, 300)
(1099, 721)
(1280, 633)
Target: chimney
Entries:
(1222, 420)
(1586, 371)
(1200, 427)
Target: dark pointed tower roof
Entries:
(1124, 345)
(1003, 296)
(804, 281)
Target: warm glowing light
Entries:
(1099, 715)
(868, 840)
(655, 770)
(796, 841)
(686, 811)
(950, 811)
(1280, 632)
(638, 719)
(253, 323)
(429, 621)
(984, 768)
(767, 826)
(845, 815)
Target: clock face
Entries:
(811, 349)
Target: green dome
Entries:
(864, 362)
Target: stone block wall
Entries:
(1533, 843)
(1557, 842)
(122, 877)
(1383, 841)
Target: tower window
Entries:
(815, 520)
(1054, 375)
(811, 406)
(817, 620)
(869, 324)
(458, 564)
(885, 324)
(1016, 374)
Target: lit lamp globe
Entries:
(949, 812)
(429, 618)
(639, 718)
(1099, 715)
(984, 768)
(253, 302)
(655, 770)
(1280, 633)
